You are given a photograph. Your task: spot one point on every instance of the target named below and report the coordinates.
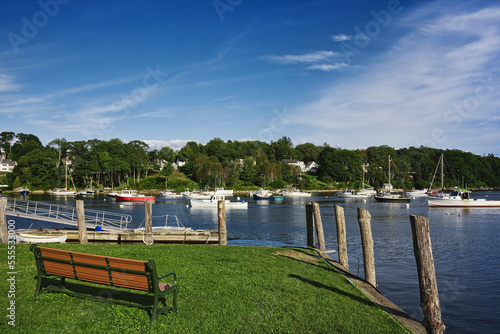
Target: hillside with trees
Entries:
(236, 165)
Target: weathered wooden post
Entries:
(310, 224)
(429, 297)
(341, 236)
(364, 219)
(148, 223)
(80, 218)
(221, 215)
(3, 220)
(319, 227)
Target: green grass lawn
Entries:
(223, 290)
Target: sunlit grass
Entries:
(223, 290)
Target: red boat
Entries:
(132, 195)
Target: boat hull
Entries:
(197, 203)
(470, 203)
(392, 199)
(40, 239)
(134, 198)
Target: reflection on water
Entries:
(465, 245)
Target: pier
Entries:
(67, 215)
(99, 226)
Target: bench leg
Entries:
(38, 286)
(154, 311)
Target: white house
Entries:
(7, 165)
(310, 167)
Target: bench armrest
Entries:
(169, 274)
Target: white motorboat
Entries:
(416, 193)
(363, 193)
(198, 194)
(225, 192)
(461, 199)
(63, 192)
(295, 193)
(212, 203)
(169, 194)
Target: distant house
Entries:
(387, 187)
(310, 167)
(7, 165)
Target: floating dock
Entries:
(163, 235)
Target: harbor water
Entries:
(465, 245)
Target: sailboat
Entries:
(363, 193)
(440, 162)
(391, 197)
(65, 191)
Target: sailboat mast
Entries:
(442, 173)
(66, 174)
(390, 172)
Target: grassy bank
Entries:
(223, 290)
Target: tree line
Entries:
(236, 165)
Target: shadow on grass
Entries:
(100, 293)
(332, 289)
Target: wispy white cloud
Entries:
(341, 38)
(328, 67)
(432, 88)
(311, 57)
(7, 83)
(175, 144)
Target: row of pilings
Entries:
(429, 298)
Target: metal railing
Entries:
(67, 214)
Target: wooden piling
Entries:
(221, 215)
(3, 221)
(364, 219)
(319, 227)
(148, 223)
(80, 218)
(310, 224)
(429, 297)
(341, 236)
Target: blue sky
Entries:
(352, 74)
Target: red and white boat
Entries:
(132, 195)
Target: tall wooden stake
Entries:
(310, 224)
(148, 223)
(221, 213)
(341, 236)
(365, 227)
(80, 218)
(429, 297)
(319, 227)
(3, 221)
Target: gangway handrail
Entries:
(67, 214)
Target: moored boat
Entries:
(391, 198)
(169, 194)
(460, 198)
(29, 237)
(63, 192)
(212, 203)
(225, 192)
(133, 195)
(295, 193)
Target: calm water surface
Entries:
(465, 246)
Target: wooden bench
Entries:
(111, 271)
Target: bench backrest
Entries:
(126, 273)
